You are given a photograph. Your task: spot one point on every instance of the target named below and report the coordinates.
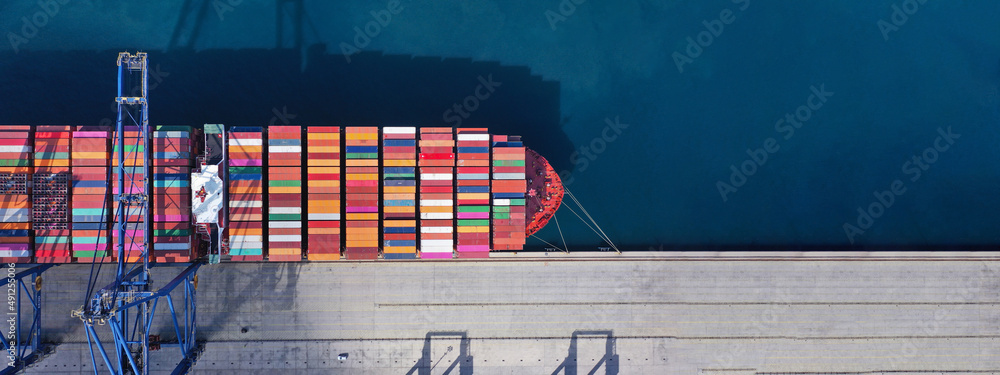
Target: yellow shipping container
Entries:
(436, 208)
(400, 223)
(55, 163)
(323, 257)
(324, 183)
(400, 189)
(319, 149)
(323, 136)
(89, 155)
(400, 249)
(400, 163)
(325, 162)
(323, 170)
(473, 195)
(285, 190)
(473, 229)
(362, 216)
(362, 162)
(324, 230)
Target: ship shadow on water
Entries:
(255, 87)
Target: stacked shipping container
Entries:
(508, 190)
(323, 180)
(473, 193)
(15, 202)
(172, 232)
(399, 194)
(50, 199)
(284, 184)
(91, 205)
(246, 193)
(437, 176)
(361, 148)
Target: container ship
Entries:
(268, 193)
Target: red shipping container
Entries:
(436, 183)
(435, 189)
(324, 224)
(245, 225)
(361, 224)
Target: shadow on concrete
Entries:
(426, 363)
(609, 360)
(260, 87)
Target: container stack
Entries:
(91, 204)
(172, 232)
(135, 209)
(473, 195)
(509, 188)
(246, 193)
(323, 180)
(15, 203)
(437, 177)
(50, 194)
(399, 192)
(361, 148)
(284, 196)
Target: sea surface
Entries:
(695, 124)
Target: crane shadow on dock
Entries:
(429, 360)
(609, 360)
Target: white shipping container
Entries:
(245, 238)
(399, 130)
(246, 142)
(473, 137)
(324, 216)
(436, 243)
(247, 245)
(284, 210)
(15, 253)
(285, 238)
(284, 149)
(15, 149)
(15, 215)
(437, 229)
(473, 176)
(508, 176)
(501, 202)
(437, 202)
(284, 224)
(246, 204)
(170, 134)
(436, 176)
(436, 215)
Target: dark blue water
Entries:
(662, 176)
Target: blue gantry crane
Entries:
(128, 305)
